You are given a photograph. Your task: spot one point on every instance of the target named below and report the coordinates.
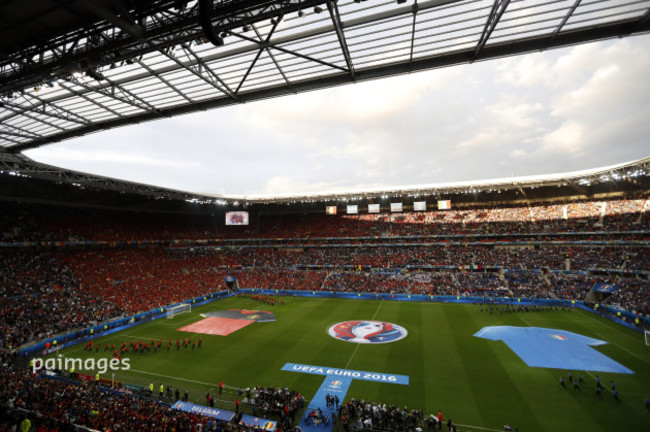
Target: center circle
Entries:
(367, 332)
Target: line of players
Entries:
(599, 388)
(493, 307)
(141, 347)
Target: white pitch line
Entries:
(180, 322)
(525, 321)
(478, 427)
(138, 337)
(175, 378)
(624, 349)
(225, 386)
(607, 325)
(358, 345)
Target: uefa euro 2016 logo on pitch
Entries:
(367, 332)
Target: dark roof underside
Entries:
(71, 68)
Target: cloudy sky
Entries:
(562, 110)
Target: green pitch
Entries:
(478, 383)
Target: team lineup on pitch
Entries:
(444, 357)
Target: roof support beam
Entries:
(333, 8)
(164, 80)
(202, 66)
(24, 133)
(498, 8)
(28, 114)
(62, 113)
(272, 57)
(22, 110)
(262, 45)
(416, 8)
(120, 94)
(89, 99)
(565, 19)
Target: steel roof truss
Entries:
(85, 97)
(333, 8)
(498, 8)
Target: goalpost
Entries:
(179, 309)
(647, 337)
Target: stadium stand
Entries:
(65, 405)
(70, 268)
(73, 284)
(44, 223)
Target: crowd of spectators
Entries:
(362, 415)
(528, 284)
(25, 222)
(49, 292)
(41, 297)
(57, 405)
(276, 402)
(633, 294)
(138, 280)
(580, 257)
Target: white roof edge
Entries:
(510, 181)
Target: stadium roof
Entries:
(72, 68)
(631, 175)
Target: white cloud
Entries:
(569, 138)
(518, 153)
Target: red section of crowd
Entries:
(140, 280)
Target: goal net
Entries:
(647, 337)
(179, 309)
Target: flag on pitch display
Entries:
(606, 288)
(444, 204)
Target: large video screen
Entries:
(373, 208)
(237, 218)
(419, 205)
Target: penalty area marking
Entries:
(174, 323)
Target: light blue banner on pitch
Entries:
(333, 386)
(354, 374)
(554, 348)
